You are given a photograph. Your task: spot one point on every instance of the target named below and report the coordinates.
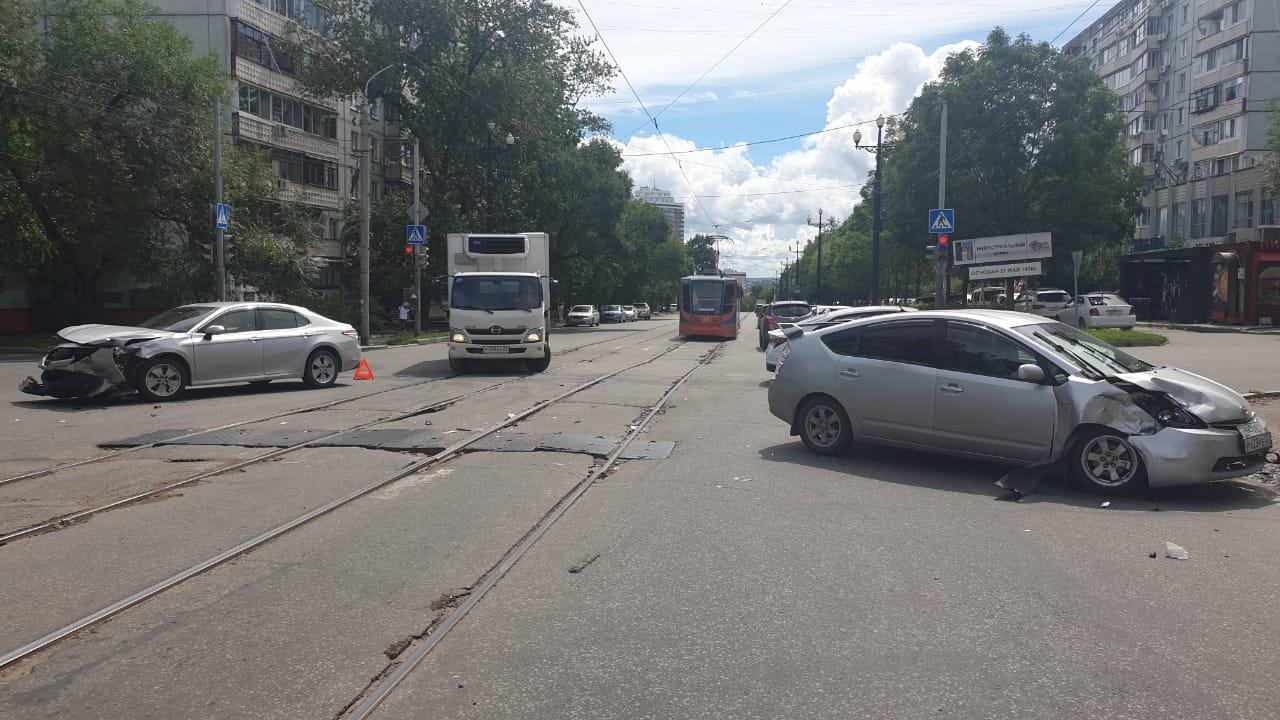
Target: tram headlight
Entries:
(457, 336)
(534, 335)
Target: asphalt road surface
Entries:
(737, 576)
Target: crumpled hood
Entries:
(117, 335)
(1208, 400)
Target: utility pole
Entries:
(818, 295)
(366, 189)
(417, 249)
(220, 243)
(796, 250)
(876, 222)
(940, 279)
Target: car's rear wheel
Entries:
(824, 426)
(322, 369)
(161, 379)
(1104, 461)
(1083, 325)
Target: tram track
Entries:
(43, 472)
(47, 641)
(68, 519)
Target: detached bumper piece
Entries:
(64, 385)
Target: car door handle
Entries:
(951, 388)
(850, 372)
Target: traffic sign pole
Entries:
(220, 242)
(417, 261)
(940, 257)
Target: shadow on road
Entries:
(196, 394)
(938, 472)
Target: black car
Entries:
(780, 311)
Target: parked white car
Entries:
(1045, 303)
(629, 313)
(777, 349)
(582, 315)
(1099, 310)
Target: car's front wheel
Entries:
(824, 426)
(1104, 461)
(322, 369)
(161, 379)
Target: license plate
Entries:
(495, 350)
(1116, 311)
(1255, 438)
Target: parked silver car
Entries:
(582, 315)
(203, 344)
(1014, 388)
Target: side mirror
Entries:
(1030, 373)
(214, 330)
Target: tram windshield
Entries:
(707, 296)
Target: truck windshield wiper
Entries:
(471, 307)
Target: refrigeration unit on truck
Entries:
(500, 296)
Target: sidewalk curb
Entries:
(1212, 329)
(367, 348)
(434, 341)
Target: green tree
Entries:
(702, 249)
(1034, 144)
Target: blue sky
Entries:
(815, 64)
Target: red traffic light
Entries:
(408, 249)
(942, 239)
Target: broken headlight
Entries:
(1165, 411)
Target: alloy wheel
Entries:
(322, 368)
(1109, 461)
(163, 380)
(823, 426)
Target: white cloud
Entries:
(764, 206)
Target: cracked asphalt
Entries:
(741, 577)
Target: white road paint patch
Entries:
(411, 482)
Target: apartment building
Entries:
(667, 204)
(312, 142)
(1195, 79)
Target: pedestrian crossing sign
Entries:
(415, 235)
(223, 216)
(942, 222)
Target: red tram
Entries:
(709, 306)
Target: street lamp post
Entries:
(873, 295)
(366, 185)
(508, 141)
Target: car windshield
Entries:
(612, 308)
(581, 308)
(1085, 350)
(790, 311)
(479, 292)
(179, 319)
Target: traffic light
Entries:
(942, 240)
(408, 249)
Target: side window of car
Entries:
(977, 350)
(844, 342)
(907, 342)
(278, 320)
(238, 321)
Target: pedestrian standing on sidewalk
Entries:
(404, 316)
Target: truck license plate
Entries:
(495, 350)
(1255, 438)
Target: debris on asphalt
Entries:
(583, 565)
(511, 416)
(1153, 555)
(1106, 504)
(1174, 551)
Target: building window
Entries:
(1218, 221)
(1162, 220)
(255, 46)
(287, 111)
(1182, 48)
(298, 168)
(1141, 154)
(1182, 83)
(1244, 210)
(1199, 217)
(1181, 116)
(1186, 18)
(1232, 89)
(1179, 222)
(1224, 165)
(1178, 154)
(1221, 56)
(333, 228)
(1142, 218)
(1268, 210)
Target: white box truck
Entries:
(500, 295)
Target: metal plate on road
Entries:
(1255, 438)
(496, 350)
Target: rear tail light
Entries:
(771, 323)
(777, 341)
(1132, 311)
(1094, 312)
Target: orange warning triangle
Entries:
(364, 372)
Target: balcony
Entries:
(1210, 7)
(1226, 35)
(1218, 74)
(1146, 77)
(255, 74)
(316, 197)
(264, 132)
(1218, 112)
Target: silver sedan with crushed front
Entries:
(201, 344)
(1014, 388)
